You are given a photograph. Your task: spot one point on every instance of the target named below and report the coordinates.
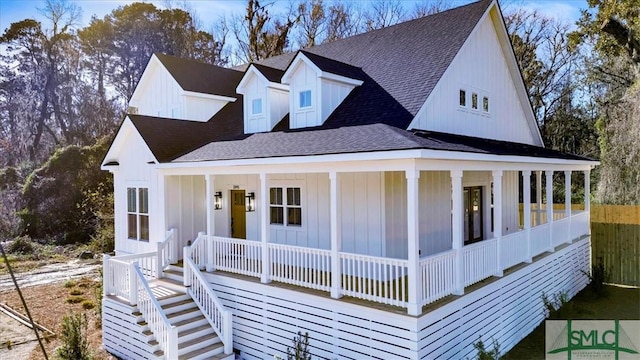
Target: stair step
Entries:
(178, 306)
(173, 299)
(211, 352)
(171, 284)
(195, 321)
(194, 332)
(185, 347)
(186, 314)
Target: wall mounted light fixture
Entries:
(250, 202)
(217, 200)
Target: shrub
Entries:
(75, 345)
(21, 245)
(484, 353)
(88, 304)
(557, 306)
(75, 299)
(76, 292)
(598, 277)
(300, 348)
(69, 284)
(98, 295)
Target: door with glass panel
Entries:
(473, 217)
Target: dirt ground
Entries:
(48, 305)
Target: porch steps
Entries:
(173, 273)
(196, 339)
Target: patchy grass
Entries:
(619, 304)
(50, 309)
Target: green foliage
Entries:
(75, 345)
(69, 283)
(75, 299)
(300, 349)
(21, 245)
(54, 195)
(88, 304)
(98, 296)
(557, 306)
(598, 277)
(76, 292)
(484, 353)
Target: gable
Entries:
(127, 146)
(482, 69)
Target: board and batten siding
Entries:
(158, 94)
(134, 171)
(275, 105)
(185, 201)
(304, 78)
(479, 67)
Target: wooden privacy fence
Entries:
(615, 238)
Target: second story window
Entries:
(138, 213)
(305, 98)
(474, 101)
(256, 106)
(485, 103)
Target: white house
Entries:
(375, 192)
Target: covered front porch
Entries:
(407, 236)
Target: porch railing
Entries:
(117, 275)
(385, 280)
(165, 334)
(378, 279)
(514, 249)
(480, 261)
(301, 266)
(167, 251)
(200, 291)
(437, 272)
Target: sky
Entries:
(209, 10)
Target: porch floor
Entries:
(391, 308)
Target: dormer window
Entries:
(305, 99)
(256, 106)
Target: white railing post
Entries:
(567, 203)
(336, 236)
(160, 260)
(106, 275)
(587, 199)
(538, 197)
(497, 219)
(133, 284)
(549, 195)
(227, 326)
(264, 229)
(186, 279)
(172, 346)
(210, 190)
(413, 237)
(526, 187)
(457, 224)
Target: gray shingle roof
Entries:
(203, 78)
(361, 138)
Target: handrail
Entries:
(198, 250)
(167, 252)
(209, 304)
(164, 332)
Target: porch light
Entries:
(217, 202)
(250, 202)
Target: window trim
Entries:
(475, 96)
(486, 109)
(285, 206)
(462, 90)
(300, 106)
(253, 102)
(138, 213)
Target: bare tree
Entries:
(384, 13)
(428, 7)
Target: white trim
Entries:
(113, 153)
(321, 74)
(207, 96)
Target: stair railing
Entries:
(167, 251)
(210, 306)
(166, 335)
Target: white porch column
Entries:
(526, 208)
(264, 228)
(336, 236)
(539, 197)
(497, 218)
(457, 224)
(549, 192)
(567, 202)
(587, 198)
(209, 191)
(413, 237)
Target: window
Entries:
(463, 98)
(305, 98)
(138, 214)
(256, 106)
(286, 207)
(485, 103)
(474, 101)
